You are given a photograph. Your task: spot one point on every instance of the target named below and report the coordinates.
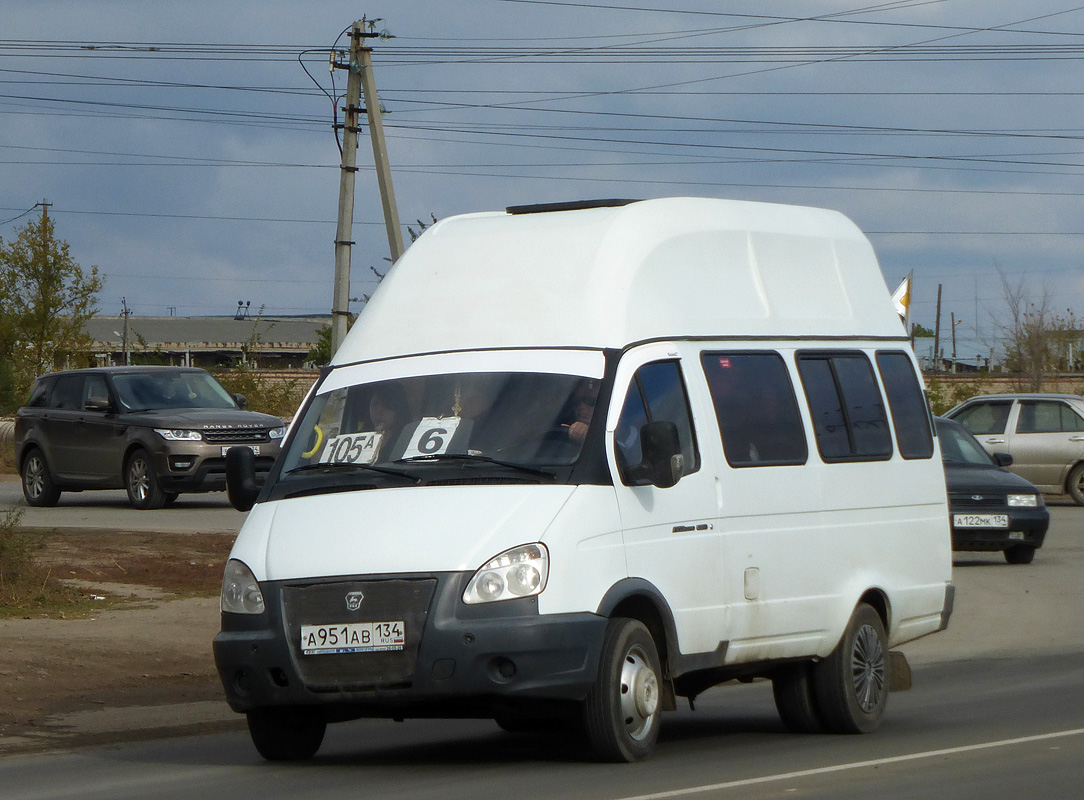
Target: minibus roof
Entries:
(606, 274)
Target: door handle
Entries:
(995, 440)
(1076, 438)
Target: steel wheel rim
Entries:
(639, 692)
(35, 477)
(868, 668)
(138, 480)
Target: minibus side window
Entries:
(756, 409)
(656, 393)
(910, 415)
(848, 410)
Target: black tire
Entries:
(144, 490)
(286, 734)
(795, 700)
(38, 487)
(1075, 484)
(171, 498)
(851, 684)
(1020, 554)
(621, 714)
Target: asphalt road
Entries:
(982, 729)
(997, 712)
(109, 510)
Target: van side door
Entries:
(669, 533)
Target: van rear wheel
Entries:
(286, 734)
(795, 700)
(621, 714)
(850, 685)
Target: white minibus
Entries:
(574, 462)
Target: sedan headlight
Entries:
(240, 590)
(519, 572)
(178, 435)
(1029, 500)
(276, 433)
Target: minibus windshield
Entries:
(523, 419)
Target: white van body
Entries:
(785, 567)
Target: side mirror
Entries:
(661, 447)
(241, 486)
(240, 399)
(98, 404)
(1003, 459)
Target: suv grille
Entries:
(239, 435)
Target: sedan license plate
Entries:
(980, 520)
(255, 448)
(352, 637)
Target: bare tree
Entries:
(1033, 334)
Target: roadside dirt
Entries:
(141, 638)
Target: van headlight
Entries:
(1029, 500)
(240, 590)
(178, 435)
(519, 572)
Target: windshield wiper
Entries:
(476, 457)
(346, 465)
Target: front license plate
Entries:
(980, 520)
(255, 448)
(352, 637)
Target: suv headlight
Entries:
(178, 435)
(519, 572)
(276, 433)
(240, 590)
(1030, 500)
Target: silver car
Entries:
(1044, 433)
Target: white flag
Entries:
(901, 298)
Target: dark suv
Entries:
(155, 431)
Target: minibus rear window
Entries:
(910, 415)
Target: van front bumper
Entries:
(458, 660)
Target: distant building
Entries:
(266, 342)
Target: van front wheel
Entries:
(286, 734)
(621, 713)
(850, 685)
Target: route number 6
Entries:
(432, 436)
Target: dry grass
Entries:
(76, 572)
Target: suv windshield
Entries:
(143, 391)
(524, 419)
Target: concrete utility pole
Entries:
(360, 69)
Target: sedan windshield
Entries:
(144, 391)
(959, 447)
(520, 419)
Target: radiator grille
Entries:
(384, 601)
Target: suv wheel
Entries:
(144, 491)
(38, 487)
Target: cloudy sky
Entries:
(187, 148)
